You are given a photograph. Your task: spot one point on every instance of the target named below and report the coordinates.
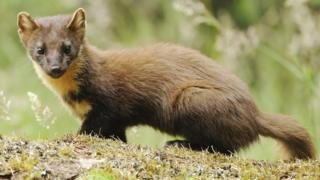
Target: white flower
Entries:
(43, 114)
(5, 105)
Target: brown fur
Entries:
(170, 88)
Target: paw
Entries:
(178, 143)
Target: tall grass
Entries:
(276, 55)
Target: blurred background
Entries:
(274, 46)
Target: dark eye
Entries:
(40, 50)
(66, 50)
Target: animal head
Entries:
(53, 42)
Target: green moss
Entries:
(22, 162)
(66, 151)
(101, 174)
(89, 157)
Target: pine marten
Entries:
(170, 88)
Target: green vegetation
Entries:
(94, 158)
(272, 45)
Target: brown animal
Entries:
(170, 88)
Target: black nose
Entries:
(56, 70)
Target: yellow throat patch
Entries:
(65, 84)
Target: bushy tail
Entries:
(295, 139)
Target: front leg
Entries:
(102, 128)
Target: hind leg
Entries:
(209, 117)
(199, 147)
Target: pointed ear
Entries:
(77, 23)
(26, 26)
